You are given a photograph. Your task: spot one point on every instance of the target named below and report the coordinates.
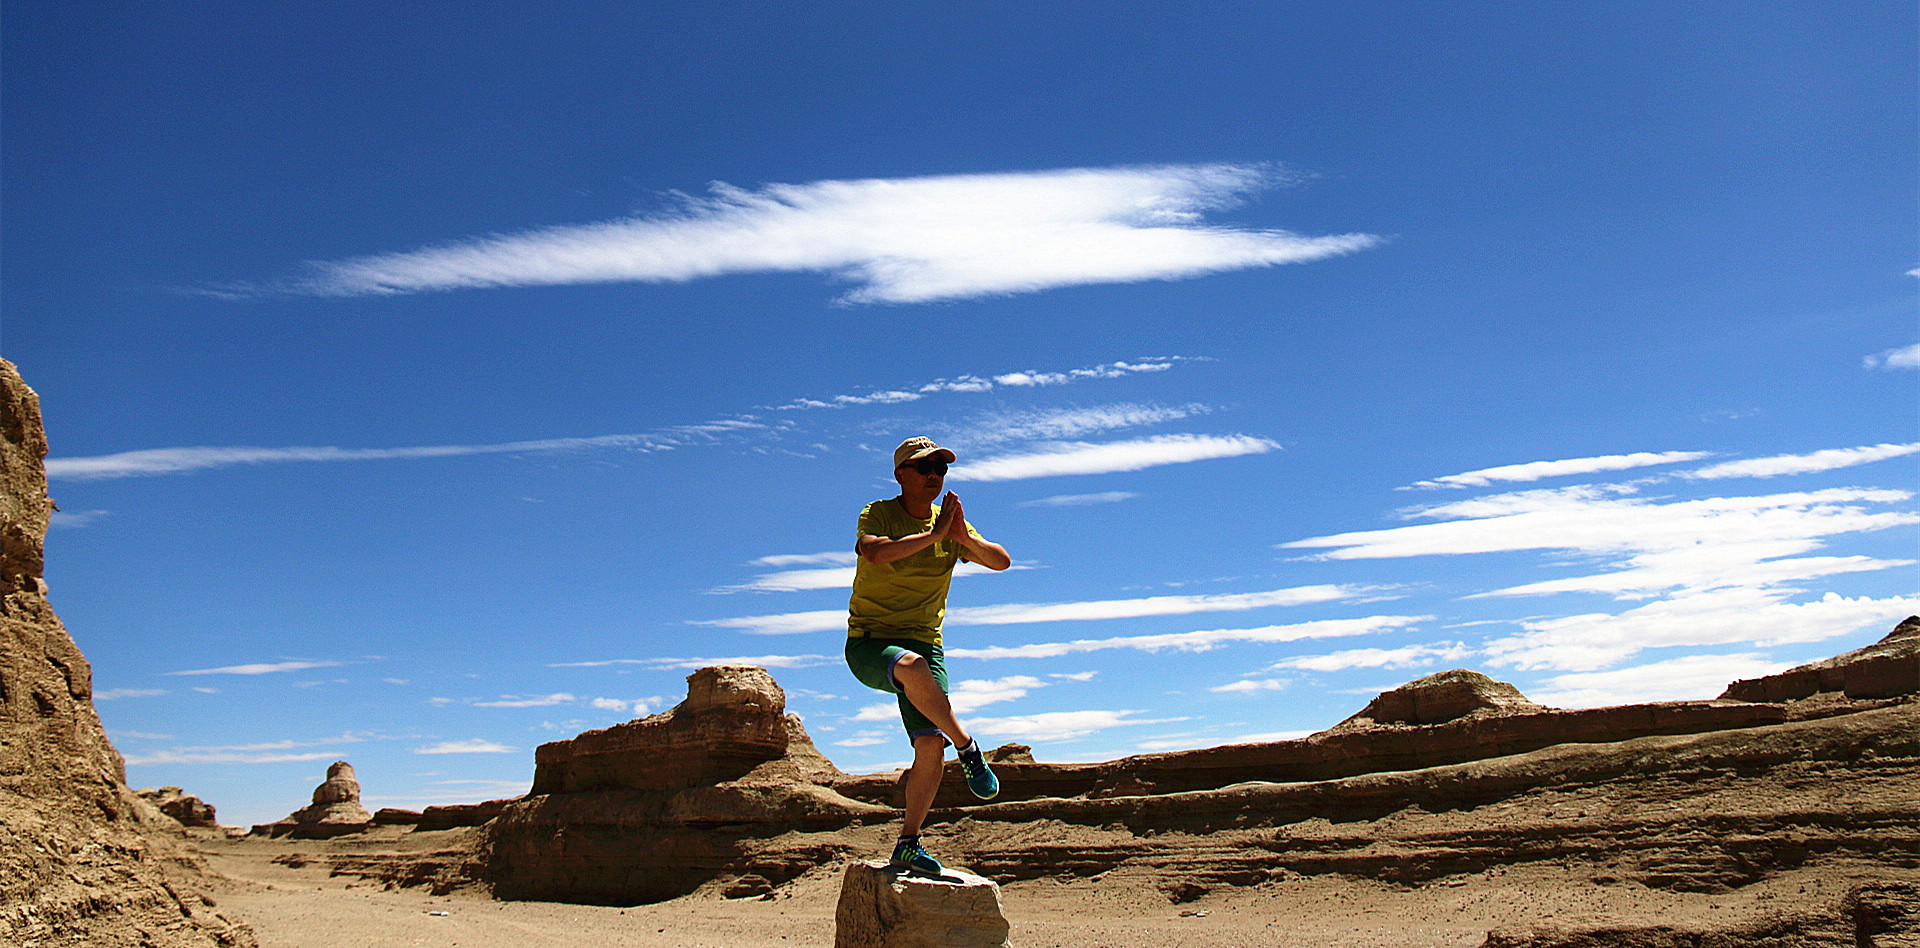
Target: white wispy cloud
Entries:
(828, 577)
(1686, 678)
(1200, 641)
(527, 701)
(1539, 470)
(1905, 357)
(1827, 460)
(1081, 500)
(115, 694)
(1016, 613)
(270, 752)
(471, 746)
(75, 518)
(267, 668)
(1735, 616)
(694, 664)
(1649, 545)
(1408, 656)
(157, 461)
(1056, 423)
(1051, 460)
(976, 693)
(903, 240)
(1250, 685)
(976, 383)
(1054, 726)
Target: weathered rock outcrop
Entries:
(657, 807)
(1884, 669)
(185, 808)
(83, 860)
(335, 811)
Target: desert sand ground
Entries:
(303, 906)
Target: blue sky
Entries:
(428, 383)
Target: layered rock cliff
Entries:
(1453, 774)
(83, 860)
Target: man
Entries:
(908, 547)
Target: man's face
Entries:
(921, 479)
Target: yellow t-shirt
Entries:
(907, 598)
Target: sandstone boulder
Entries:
(881, 907)
(83, 860)
(185, 808)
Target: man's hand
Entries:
(943, 525)
(952, 522)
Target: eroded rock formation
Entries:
(1453, 774)
(83, 860)
(654, 808)
(1884, 669)
(185, 808)
(335, 811)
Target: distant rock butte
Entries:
(83, 860)
(335, 811)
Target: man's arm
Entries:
(982, 551)
(880, 550)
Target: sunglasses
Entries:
(927, 466)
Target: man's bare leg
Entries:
(923, 781)
(916, 679)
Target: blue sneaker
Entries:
(980, 778)
(908, 855)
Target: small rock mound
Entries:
(1437, 699)
(184, 807)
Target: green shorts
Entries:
(872, 661)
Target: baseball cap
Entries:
(913, 449)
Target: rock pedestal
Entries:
(881, 907)
(336, 809)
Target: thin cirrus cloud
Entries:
(265, 668)
(1081, 500)
(1717, 617)
(974, 384)
(1091, 610)
(1055, 460)
(161, 461)
(902, 240)
(473, 746)
(1200, 641)
(156, 461)
(1828, 460)
(1540, 470)
(1650, 545)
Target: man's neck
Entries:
(923, 510)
